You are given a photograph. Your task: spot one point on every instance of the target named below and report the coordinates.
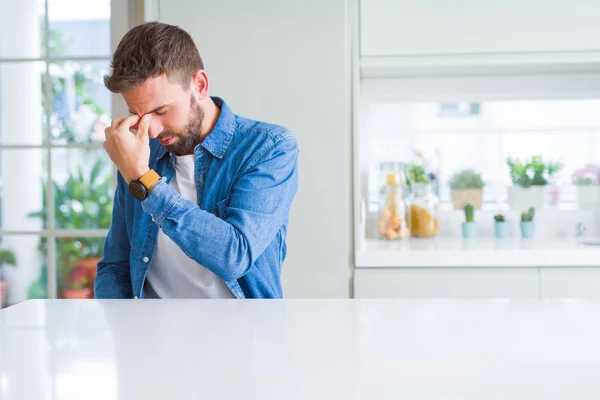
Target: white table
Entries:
(300, 349)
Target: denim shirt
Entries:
(246, 178)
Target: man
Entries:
(203, 196)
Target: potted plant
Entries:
(469, 227)
(78, 285)
(466, 187)
(587, 184)
(529, 180)
(501, 227)
(82, 202)
(527, 224)
(7, 257)
(424, 204)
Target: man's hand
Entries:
(129, 152)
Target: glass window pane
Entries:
(80, 102)
(79, 28)
(22, 28)
(452, 137)
(27, 278)
(76, 261)
(22, 117)
(22, 202)
(83, 189)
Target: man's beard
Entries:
(191, 135)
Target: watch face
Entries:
(137, 190)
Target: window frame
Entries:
(124, 15)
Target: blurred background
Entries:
(432, 135)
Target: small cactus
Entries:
(499, 218)
(528, 215)
(469, 213)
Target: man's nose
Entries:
(155, 129)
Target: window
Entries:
(56, 181)
(478, 122)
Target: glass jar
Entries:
(387, 168)
(393, 210)
(424, 210)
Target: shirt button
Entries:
(145, 259)
(164, 178)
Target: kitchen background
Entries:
(405, 111)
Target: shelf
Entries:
(452, 252)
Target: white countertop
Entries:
(458, 252)
(300, 349)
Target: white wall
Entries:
(288, 62)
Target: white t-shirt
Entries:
(172, 274)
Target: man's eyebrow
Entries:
(153, 111)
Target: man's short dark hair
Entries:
(150, 50)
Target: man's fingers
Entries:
(128, 122)
(116, 122)
(144, 125)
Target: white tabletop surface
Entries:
(300, 349)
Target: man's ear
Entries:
(199, 84)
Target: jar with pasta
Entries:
(424, 209)
(393, 214)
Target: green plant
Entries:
(416, 173)
(469, 213)
(82, 202)
(532, 172)
(499, 218)
(466, 179)
(7, 257)
(528, 215)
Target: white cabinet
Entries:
(478, 282)
(288, 62)
(570, 282)
(466, 27)
(446, 282)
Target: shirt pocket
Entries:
(221, 208)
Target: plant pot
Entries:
(588, 196)
(527, 229)
(520, 198)
(90, 265)
(469, 229)
(462, 197)
(85, 293)
(3, 293)
(502, 229)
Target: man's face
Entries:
(176, 115)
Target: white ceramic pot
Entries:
(588, 196)
(520, 199)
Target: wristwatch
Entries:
(141, 188)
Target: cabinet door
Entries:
(446, 282)
(467, 27)
(570, 282)
(288, 62)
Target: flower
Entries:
(588, 175)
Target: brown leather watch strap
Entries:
(150, 179)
